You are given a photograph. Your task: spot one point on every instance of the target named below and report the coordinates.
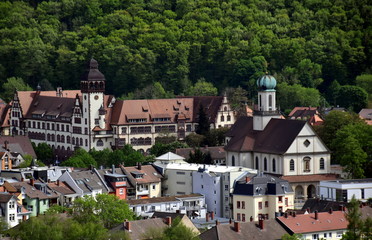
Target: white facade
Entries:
(344, 190)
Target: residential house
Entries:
(193, 205)
(6, 162)
(273, 145)
(37, 196)
(18, 146)
(88, 118)
(217, 154)
(66, 195)
(344, 190)
(46, 174)
(264, 229)
(144, 180)
(88, 182)
(261, 196)
(142, 229)
(8, 209)
(116, 181)
(366, 114)
(309, 114)
(317, 225)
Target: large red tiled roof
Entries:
(306, 223)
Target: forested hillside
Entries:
(313, 43)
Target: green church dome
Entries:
(266, 82)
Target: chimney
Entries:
(237, 226)
(32, 182)
(308, 210)
(286, 215)
(217, 223)
(168, 221)
(247, 179)
(316, 215)
(230, 221)
(330, 211)
(251, 219)
(340, 208)
(207, 217)
(127, 225)
(22, 179)
(58, 182)
(113, 169)
(261, 223)
(139, 166)
(212, 215)
(294, 214)
(6, 145)
(48, 180)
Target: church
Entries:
(88, 118)
(283, 147)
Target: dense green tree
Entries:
(365, 81)
(216, 137)
(13, 84)
(291, 237)
(28, 160)
(80, 159)
(202, 88)
(203, 122)
(238, 100)
(355, 223)
(44, 153)
(105, 208)
(352, 97)
(159, 148)
(178, 231)
(195, 140)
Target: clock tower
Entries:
(93, 91)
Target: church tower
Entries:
(266, 102)
(93, 91)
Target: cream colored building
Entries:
(261, 196)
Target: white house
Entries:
(193, 205)
(344, 190)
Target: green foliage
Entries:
(13, 84)
(352, 97)
(106, 209)
(203, 122)
(216, 137)
(202, 88)
(365, 81)
(290, 96)
(291, 237)
(80, 159)
(199, 157)
(238, 100)
(27, 162)
(44, 152)
(195, 140)
(353, 216)
(178, 231)
(55, 209)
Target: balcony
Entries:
(143, 192)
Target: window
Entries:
(57, 126)
(280, 199)
(265, 164)
(339, 234)
(321, 164)
(286, 201)
(99, 143)
(38, 125)
(12, 217)
(274, 165)
(259, 205)
(123, 130)
(315, 236)
(325, 235)
(238, 204)
(226, 187)
(67, 128)
(243, 217)
(228, 118)
(280, 209)
(362, 193)
(181, 183)
(270, 102)
(68, 139)
(243, 204)
(202, 186)
(238, 217)
(266, 203)
(11, 204)
(181, 173)
(121, 191)
(291, 165)
(306, 143)
(233, 161)
(222, 118)
(257, 166)
(153, 186)
(52, 126)
(307, 164)
(62, 127)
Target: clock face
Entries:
(96, 97)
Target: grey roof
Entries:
(88, 181)
(261, 184)
(170, 156)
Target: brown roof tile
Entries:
(32, 192)
(61, 188)
(20, 144)
(310, 178)
(306, 223)
(150, 175)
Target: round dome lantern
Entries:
(266, 82)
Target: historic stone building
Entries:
(88, 118)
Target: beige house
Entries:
(261, 196)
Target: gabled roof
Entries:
(149, 173)
(366, 113)
(54, 106)
(33, 192)
(139, 228)
(276, 138)
(248, 231)
(19, 144)
(306, 223)
(169, 156)
(61, 187)
(5, 197)
(88, 181)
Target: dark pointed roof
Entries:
(276, 138)
(92, 73)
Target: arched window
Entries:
(257, 165)
(222, 118)
(274, 165)
(99, 143)
(81, 142)
(225, 109)
(68, 139)
(233, 160)
(86, 142)
(260, 103)
(228, 118)
(321, 164)
(307, 164)
(73, 140)
(291, 165)
(265, 164)
(62, 138)
(58, 138)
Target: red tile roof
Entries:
(306, 223)
(310, 178)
